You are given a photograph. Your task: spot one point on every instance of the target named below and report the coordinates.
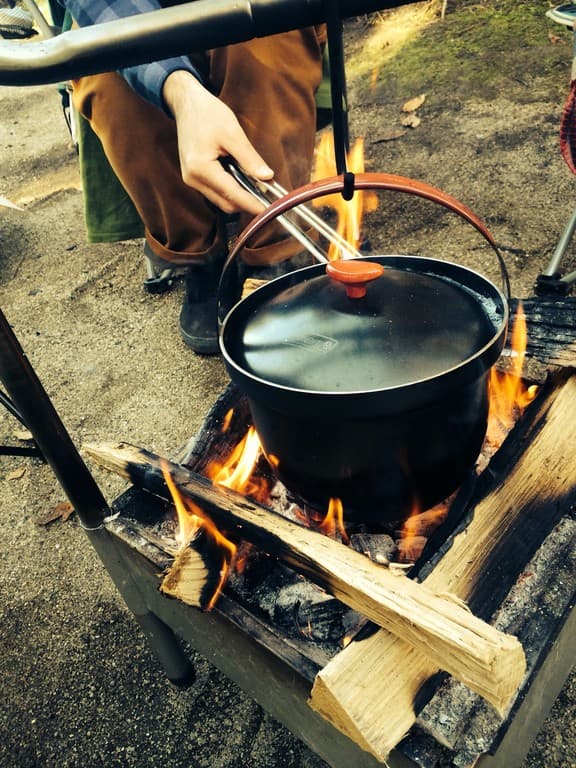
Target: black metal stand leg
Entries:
(123, 570)
(176, 665)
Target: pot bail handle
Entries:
(362, 181)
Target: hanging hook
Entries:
(348, 188)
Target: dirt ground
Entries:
(80, 688)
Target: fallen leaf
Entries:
(61, 511)
(23, 434)
(555, 39)
(16, 474)
(390, 136)
(412, 104)
(411, 121)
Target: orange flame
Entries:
(227, 420)
(350, 212)
(418, 527)
(333, 523)
(237, 472)
(191, 518)
(509, 394)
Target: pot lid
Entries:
(355, 326)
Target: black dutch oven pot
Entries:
(367, 379)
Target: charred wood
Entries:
(224, 425)
(444, 630)
(379, 547)
(455, 716)
(551, 327)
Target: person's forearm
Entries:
(207, 131)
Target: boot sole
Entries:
(200, 345)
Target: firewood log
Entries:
(370, 689)
(440, 627)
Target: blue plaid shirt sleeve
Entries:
(146, 79)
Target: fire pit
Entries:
(506, 546)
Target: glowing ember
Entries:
(349, 212)
(191, 520)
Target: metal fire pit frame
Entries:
(180, 29)
(279, 677)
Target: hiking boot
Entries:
(15, 22)
(198, 317)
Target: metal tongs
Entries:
(264, 190)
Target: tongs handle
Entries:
(250, 186)
(347, 250)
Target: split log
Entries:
(203, 560)
(444, 631)
(535, 610)
(370, 690)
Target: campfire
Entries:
(346, 597)
(327, 592)
(246, 470)
(243, 468)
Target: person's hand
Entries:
(207, 131)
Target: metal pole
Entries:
(565, 239)
(178, 30)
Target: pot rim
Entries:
(480, 361)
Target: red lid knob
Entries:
(354, 273)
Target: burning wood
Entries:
(205, 567)
(551, 329)
(490, 662)
(192, 520)
(503, 527)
